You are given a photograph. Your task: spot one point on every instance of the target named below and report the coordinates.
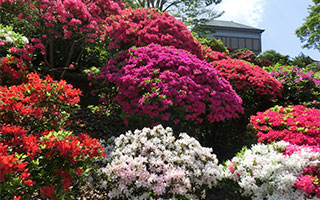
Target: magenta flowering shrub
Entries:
(295, 124)
(299, 86)
(170, 84)
(141, 27)
(252, 83)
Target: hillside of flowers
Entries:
(99, 100)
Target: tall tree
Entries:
(190, 12)
(309, 32)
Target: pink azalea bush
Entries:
(153, 164)
(295, 124)
(64, 28)
(276, 171)
(140, 27)
(170, 84)
(252, 83)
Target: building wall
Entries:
(239, 39)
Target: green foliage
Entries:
(302, 61)
(309, 32)
(275, 57)
(214, 44)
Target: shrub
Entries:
(249, 56)
(153, 164)
(43, 164)
(141, 27)
(38, 104)
(16, 54)
(299, 86)
(210, 55)
(64, 27)
(295, 124)
(170, 84)
(251, 82)
(276, 171)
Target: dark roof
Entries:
(231, 25)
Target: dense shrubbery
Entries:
(252, 83)
(299, 86)
(141, 27)
(153, 164)
(249, 56)
(295, 124)
(276, 171)
(170, 84)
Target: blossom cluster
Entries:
(172, 84)
(8, 36)
(140, 27)
(210, 55)
(299, 85)
(276, 171)
(295, 124)
(65, 18)
(47, 163)
(16, 53)
(38, 103)
(153, 164)
(248, 79)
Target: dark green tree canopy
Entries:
(309, 32)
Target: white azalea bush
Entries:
(153, 164)
(276, 171)
(11, 38)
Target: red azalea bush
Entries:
(141, 27)
(43, 164)
(252, 83)
(210, 55)
(170, 84)
(38, 104)
(295, 124)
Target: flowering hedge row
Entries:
(171, 84)
(250, 81)
(153, 164)
(276, 171)
(210, 55)
(299, 85)
(140, 27)
(295, 124)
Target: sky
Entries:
(279, 19)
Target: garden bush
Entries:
(255, 86)
(16, 53)
(295, 124)
(249, 56)
(38, 104)
(276, 171)
(140, 27)
(43, 164)
(169, 84)
(211, 55)
(63, 27)
(299, 86)
(153, 164)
